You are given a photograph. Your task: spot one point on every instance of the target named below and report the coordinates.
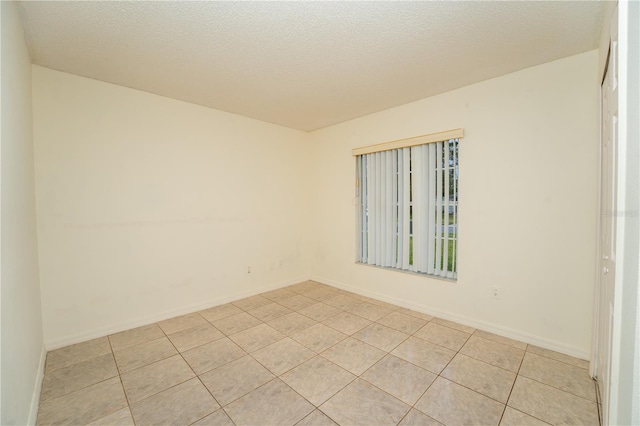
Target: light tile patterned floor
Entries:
(310, 354)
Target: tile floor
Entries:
(310, 354)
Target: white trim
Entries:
(511, 333)
(598, 259)
(126, 325)
(37, 388)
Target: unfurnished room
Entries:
(320, 213)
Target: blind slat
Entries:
(388, 226)
(438, 224)
(382, 211)
(454, 274)
(371, 210)
(417, 202)
(405, 214)
(445, 251)
(431, 215)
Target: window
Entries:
(408, 205)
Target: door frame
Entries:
(599, 310)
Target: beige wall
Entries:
(528, 193)
(150, 207)
(21, 330)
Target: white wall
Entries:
(21, 329)
(528, 193)
(150, 207)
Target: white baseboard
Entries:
(126, 325)
(37, 387)
(472, 322)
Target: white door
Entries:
(608, 156)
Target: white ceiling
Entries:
(304, 65)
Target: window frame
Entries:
(443, 159)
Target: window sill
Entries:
(420, 274)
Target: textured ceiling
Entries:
(304, 65)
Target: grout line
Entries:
(506, 404)
(126, 397)
(438, 374)
(194, 372)
(557, 360)
(558, 389)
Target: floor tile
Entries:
(443, 336)
(316, 418)
(180, 323)
(416, 314)
(402, 322)
(297, 302)
(322, 294)
(137, 356)
(552, 405)
(353, 355)
(278, 295)
(77, 376)
(558, 356)
(196, 336)
(346, 323)
(212, 355)
(156, 377)
(381, 337)
(370, 311)
(236, 379)
(319, 311)
(500, 339)
(181, 404)
(481, 377)
(256, 337)
(424, 354)
(318, 337)
(454, 325)
(235, 323)
(85, 405)
(119, 418)
(558, 374)
(304, 287)
(259, 406)
(494, 353)
(291, 323)
(343, 302)
(512, 417)
(416, 418)
(135, 336)
(317, 379)
(377, 302)
(361, 403)
(282, 356)
(252, 302)
(269, 312)
(452, 404)
(69, 355)
(219, 312)
(400, 378)
(217, 418)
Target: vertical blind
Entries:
(408, 208)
